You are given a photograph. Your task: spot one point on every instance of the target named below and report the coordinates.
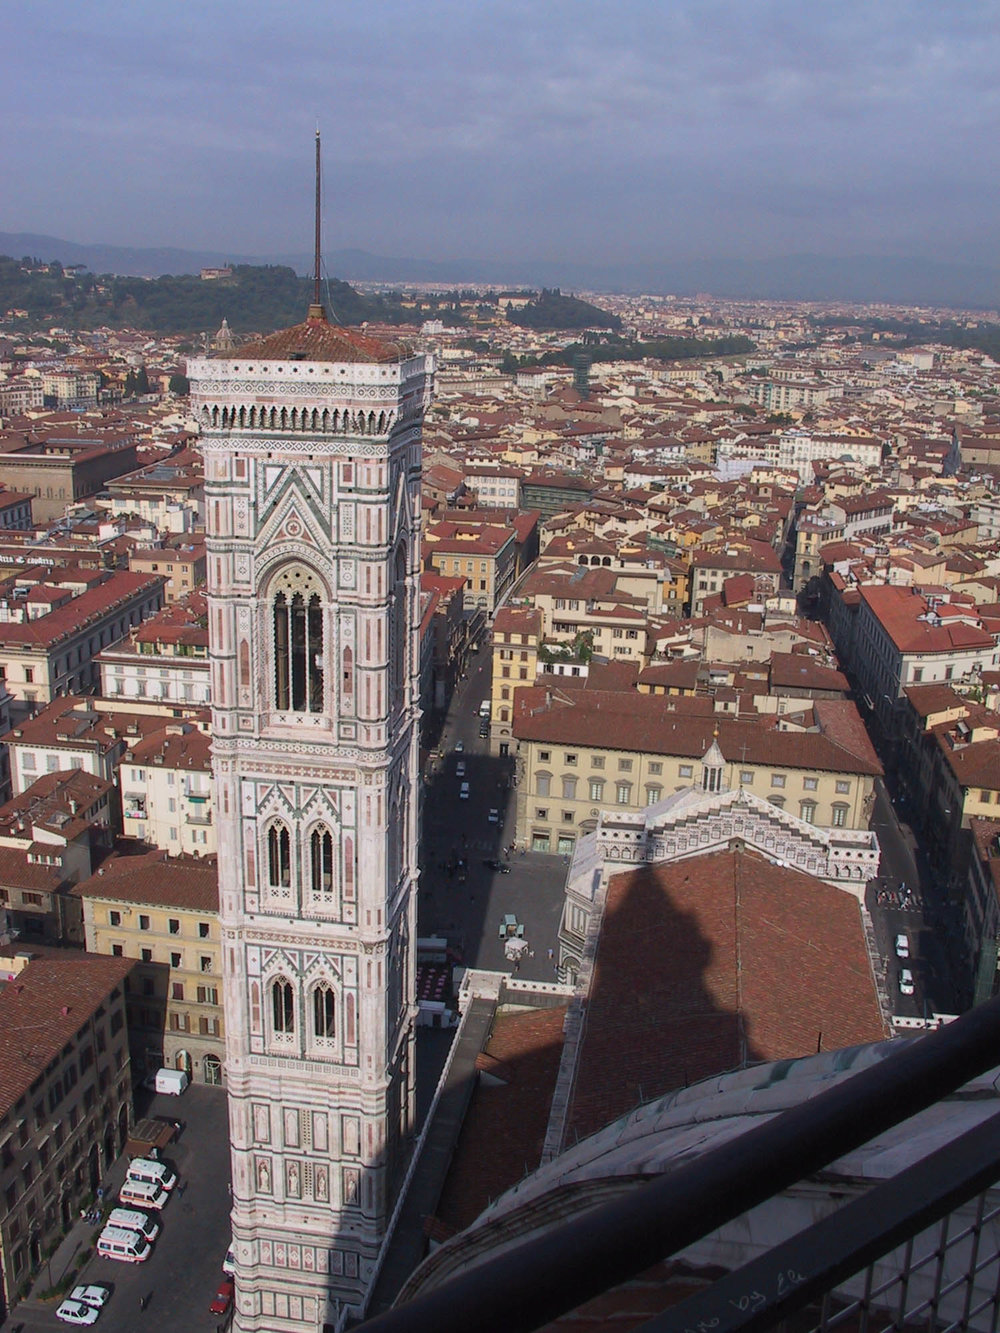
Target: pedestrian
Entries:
(142, 1303)
(551, 955)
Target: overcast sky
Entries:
(586, 129)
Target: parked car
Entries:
(92, 1294)
(223, 1297)
(902, 945)
(77, 1312)
(905, 981)
(229, 1263)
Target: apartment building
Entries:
(166, 788)
(981, 901)
(65, 1097)
(165, 658)
(51, 836)
(182, 566)
(586, 749)
(712, 566)
(162, 913)
(485, 556)
(70, 388)
(21, 394)
(63, 466)
(517, 637)
(15, 511)
(45, 655)
(169, 494)
(495, 486)
(902, 637)
(444, 639)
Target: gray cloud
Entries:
(563, 129)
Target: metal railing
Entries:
(920, 1248)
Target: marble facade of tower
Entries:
(311, 440)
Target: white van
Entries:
(142, 1194)
(130, 1219)
(117, 1243)
(155, 1173)
(171, 1081)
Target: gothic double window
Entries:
(279, 856)
(321, 865)
(282, 1008)
(324, 1013)
(297, 627)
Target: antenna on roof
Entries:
(316, 310)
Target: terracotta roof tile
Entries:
(315, 340)
(710, 962)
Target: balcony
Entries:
(919, 1248)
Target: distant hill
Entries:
(803, 277)
(552, 310)
(254, 298)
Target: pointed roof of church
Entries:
(316, 339)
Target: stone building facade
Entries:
(311, 442)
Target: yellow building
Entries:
(517, 634)
(590, 749)
(163, 912)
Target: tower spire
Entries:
(316, 310)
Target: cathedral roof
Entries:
(316, 339)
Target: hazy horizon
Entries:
(648, 133)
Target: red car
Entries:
(223, 1297)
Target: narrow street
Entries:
(909, 899)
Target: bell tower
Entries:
(311, 440)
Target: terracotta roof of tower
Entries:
(314, 340)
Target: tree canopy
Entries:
(551, 310)
(256, 298)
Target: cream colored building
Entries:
(592, 749)
(163, 912)
(166, 789)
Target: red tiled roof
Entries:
(156, 879)
(44, 1007)
(709, 963)
(504, 1129)
(314, 340)
(661, 724)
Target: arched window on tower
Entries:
(298, 642)
(321, 863)
(282, 1007)
(324, 1013)
(279, 856)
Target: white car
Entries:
(905, 981)
(94, 1294)
(463, 792)
(460, 769)
(902, 946)
(494, 815)
(77, 1312)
